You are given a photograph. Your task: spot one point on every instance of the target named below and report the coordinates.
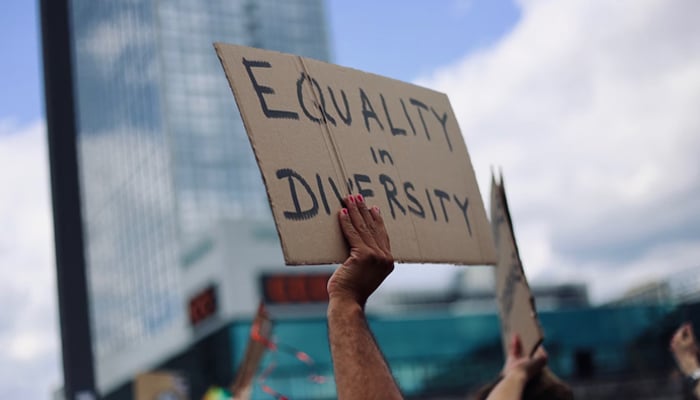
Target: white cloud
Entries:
(590, 107)
(29, 351)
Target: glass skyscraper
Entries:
(162, 152)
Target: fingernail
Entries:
(360, 199)
(344, 211)
(376, 209)
(351, 199)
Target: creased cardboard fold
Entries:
(320, 132)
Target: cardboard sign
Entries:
(259, 333)
(515, 301)
(320, 132)
(160, 385)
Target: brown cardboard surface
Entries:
(515, 301)
(255, 349)
(158, 384)
(320, 132)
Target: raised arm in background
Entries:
(360, 369)
(518, 371)
(685, 351)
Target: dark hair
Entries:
(546, 386)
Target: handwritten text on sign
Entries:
(321, 131)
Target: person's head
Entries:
(545, 386)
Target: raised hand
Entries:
(685, 349)
(521, 365)
(370, 260)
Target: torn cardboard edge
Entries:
(517, 310)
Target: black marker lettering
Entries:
(420, 105)
(374, 155)
(322, 192)
(430, 202)
(300, 97)
(390, 190)
(347, 118)
(394, 130)
(408, 117)
(368, 111)
(408, 188)
(326, 117)
(443, 122)
(359, 178)
(298, 214)
(443, 196)
(463, 207)
(383, 155)
(261, 90)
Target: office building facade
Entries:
(162, 155)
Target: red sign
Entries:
(295, 288)
(202, 306)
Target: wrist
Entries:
(343, 304)
(517, 376)
(342, 295)
(688, 364)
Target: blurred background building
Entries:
(677, 288)
(167, 177)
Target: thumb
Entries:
(516, 347)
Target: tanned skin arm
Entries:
(518, 370)
(360, 369)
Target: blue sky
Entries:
(401, 42)
(590, 107)
(404, 40)
(20, 73)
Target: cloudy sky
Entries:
(589, 106)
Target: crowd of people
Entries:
(361, 372)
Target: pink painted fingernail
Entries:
(360, 199)
(344, 211)
(376, 209)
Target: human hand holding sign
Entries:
(361, 371)
(518, 370)
(370, 260)
(521, 365)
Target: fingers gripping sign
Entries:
(370, 260)
(382, 236)
(521, 364)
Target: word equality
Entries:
(308, 195)
(399, 117)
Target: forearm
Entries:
(509, 388)
(360, 369)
